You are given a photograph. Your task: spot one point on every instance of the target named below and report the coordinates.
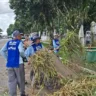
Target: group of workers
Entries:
(14, 51)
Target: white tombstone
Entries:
(81, 35)
(33, 34)
(93, 29)
(44, 37)
(54, 31)
(39, 33)
(43, 33)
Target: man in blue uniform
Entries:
(56, 44)
(31, 50)
(13, 52)
(36, 46)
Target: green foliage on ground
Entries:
(70, 47)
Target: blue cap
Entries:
(16, 33)
(35, 38)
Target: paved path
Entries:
(3, 72)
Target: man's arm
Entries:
(55, 46)
(3, 51)
(21, 49)
(29, 51)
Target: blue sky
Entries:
(6, 15)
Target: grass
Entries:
(4, 94)
(45, 44)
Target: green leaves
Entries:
(1, 30)
(53, 14)
(42, 11)
(10, 29)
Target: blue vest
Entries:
(57, 42)
(13, 54)
(37, 47)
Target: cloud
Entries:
(4, 1)
(6, 20)
(6, 15)
(4, 8)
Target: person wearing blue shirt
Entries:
(31, 50)
(56, 44)
(13, 52)
(36, 46)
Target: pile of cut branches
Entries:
(70, 47)
(42, 64)
(81, 87)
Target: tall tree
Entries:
(10, 29)
(50, 14)
(1, 30)
(40, 12)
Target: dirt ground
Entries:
(62, 70)
(3, 71)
